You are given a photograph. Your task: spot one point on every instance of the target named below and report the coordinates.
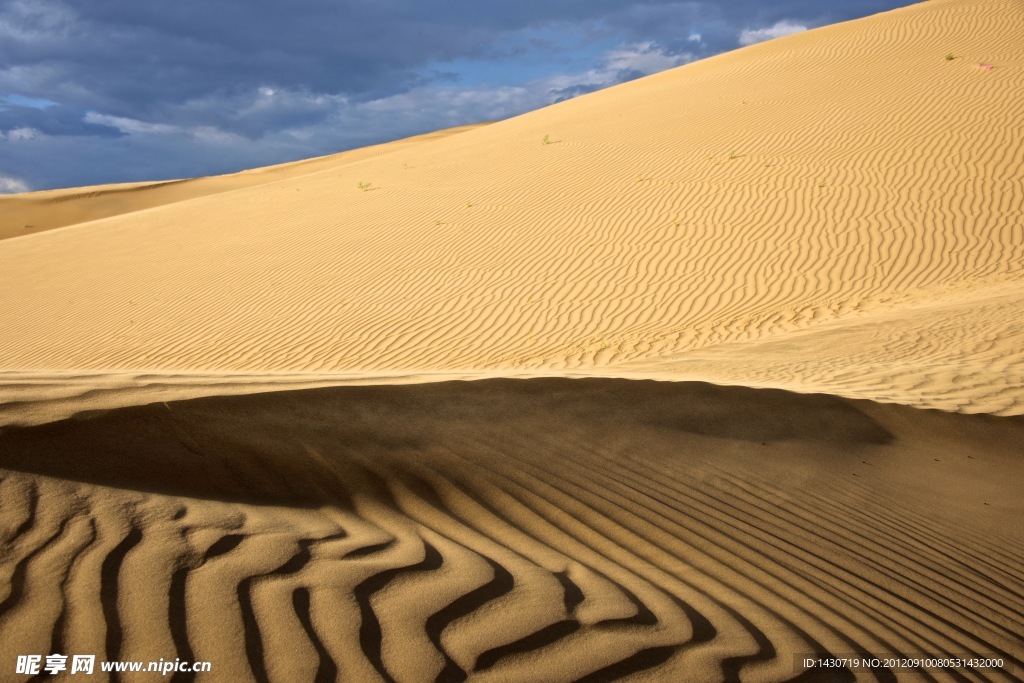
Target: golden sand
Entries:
(831, 222)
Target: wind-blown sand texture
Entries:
(833, 222)
(519, 530)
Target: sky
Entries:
(107, 91)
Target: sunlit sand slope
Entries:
(852, 174)
(517, 530)
(30, 213)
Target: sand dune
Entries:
(517, 530)
(30, 213)
(836, 175)
(832, 222)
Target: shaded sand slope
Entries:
(849, 177)
(516, 530)
(29, 213)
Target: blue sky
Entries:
(125, 90)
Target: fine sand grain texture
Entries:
(684, 380)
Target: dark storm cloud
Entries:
(210, 76)
(134, 58)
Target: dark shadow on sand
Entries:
(307, 447)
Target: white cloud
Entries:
(215, 136)
(777, 30)
(695, 37)
(19, 134)
(282, 100)
(646, 58)
(9, 185)
(126, 125)
(207, 134)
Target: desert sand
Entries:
(688, 379)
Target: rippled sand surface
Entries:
(684, 380)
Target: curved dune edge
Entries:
(515, 530)
(959, 353)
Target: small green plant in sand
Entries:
(439, 222)
(365, 187)
(950, 57)
(733, 154)
(469, 205)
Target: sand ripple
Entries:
(504, 530)
(833, 177)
